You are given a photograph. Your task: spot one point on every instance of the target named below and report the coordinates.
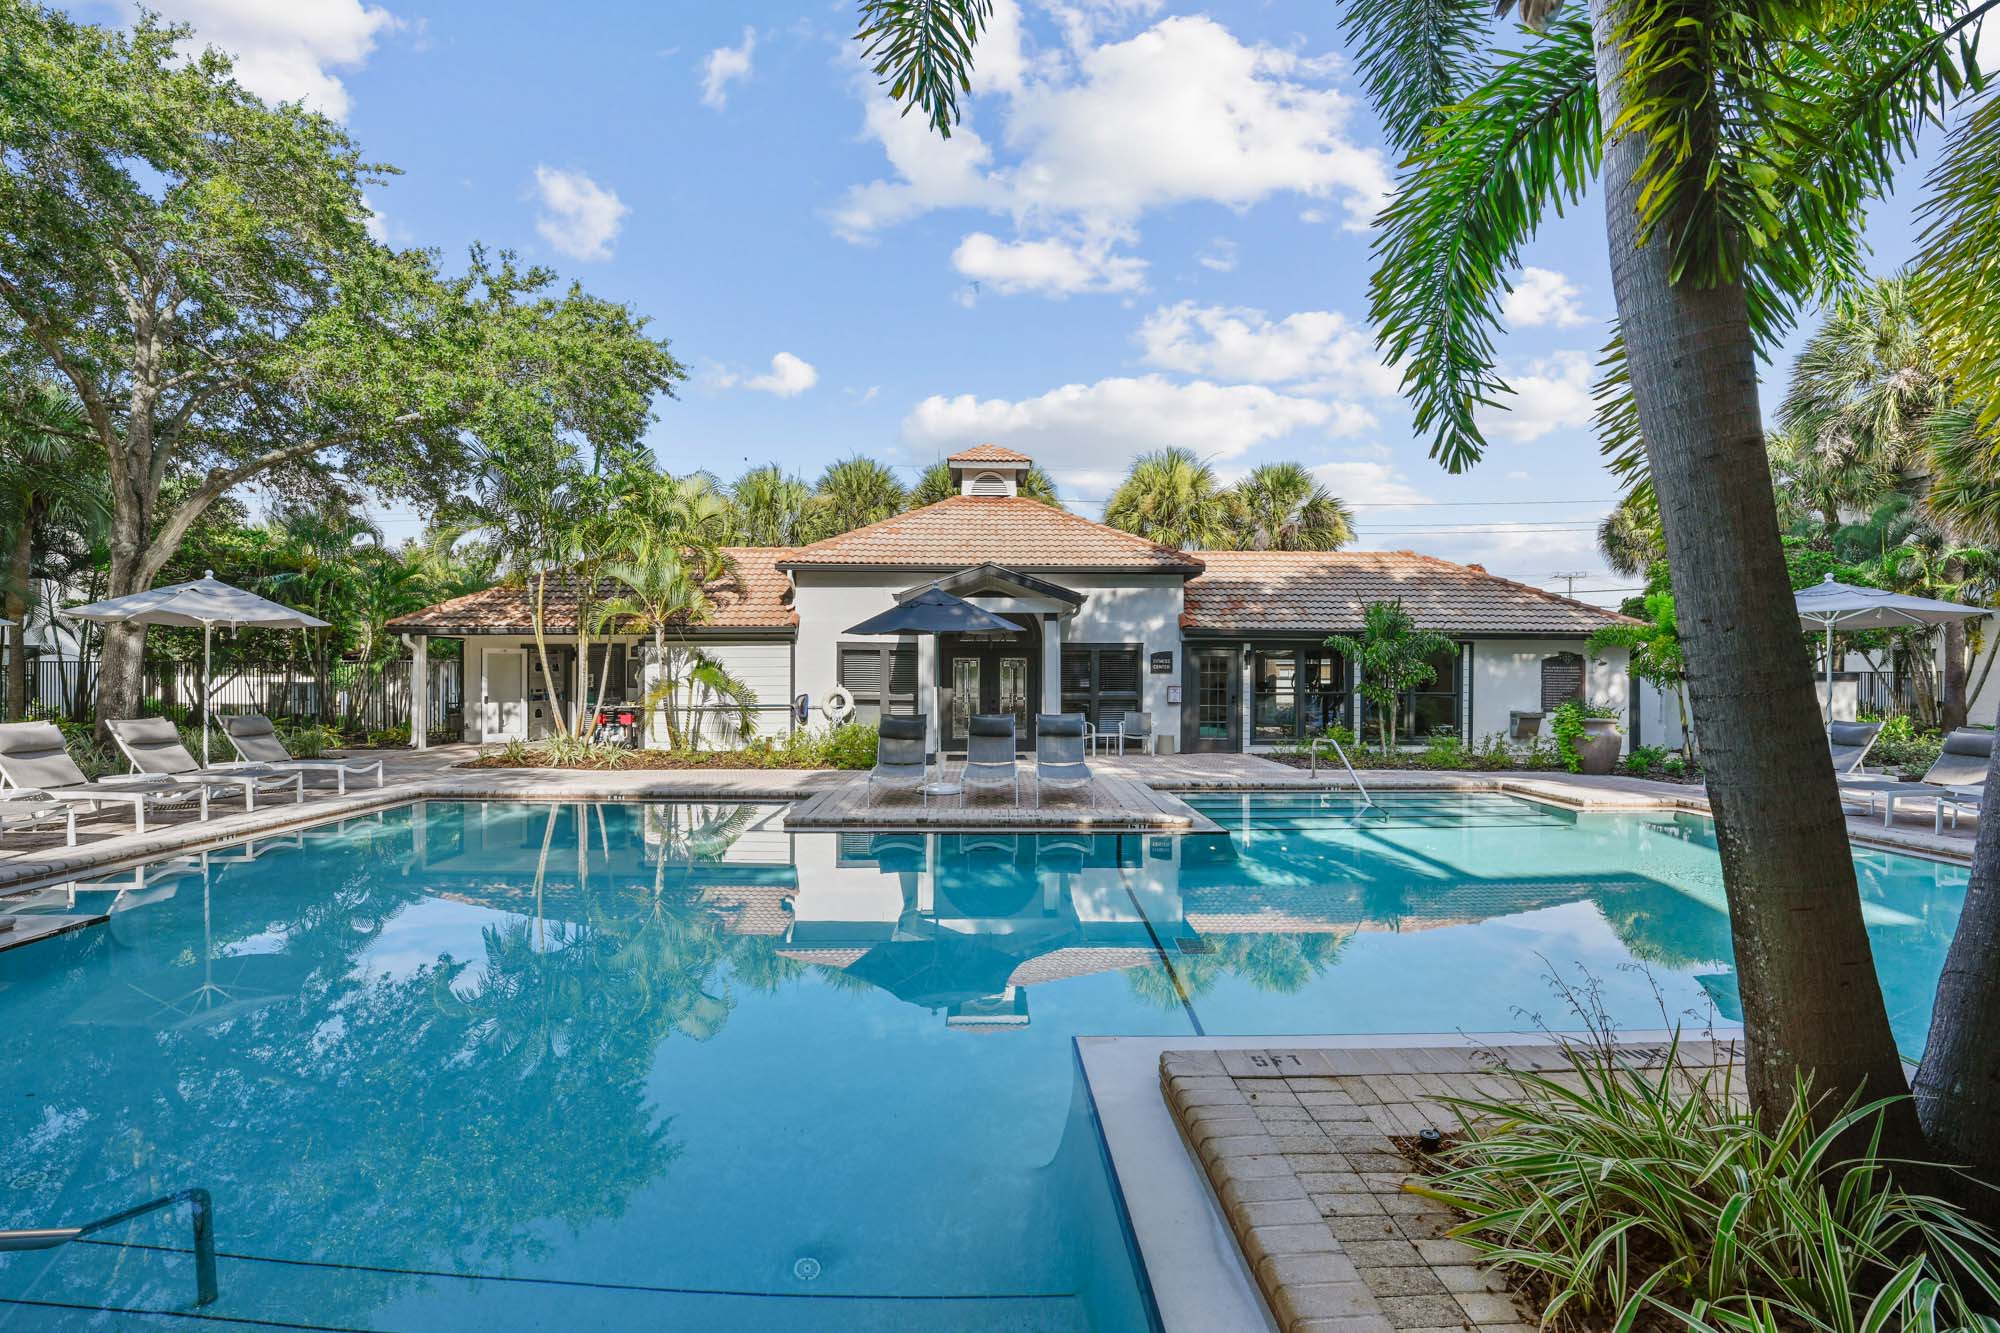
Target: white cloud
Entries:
(1368, 483)
(579, 217)
(1101, 426)
(1543, 296)
(1319, 351)
(1219, 255)
(788, 377)
(288, 51)
(726, 65)
(1052, 267)
(1553, 394)
(1091, 140)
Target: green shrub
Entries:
(850, 745)
(1645, 758)
(399, 735)
(1447, 752)
(1904, 746)
(307, 740)
(1652, 1198)
(1674, 765)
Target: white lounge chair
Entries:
(152, 745)
(1059, 754)
(39, 814)
(35, 762)
(1952, 784)
(989, 754)
(257, 743)
(901, 758)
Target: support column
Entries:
(420, 691)
(1051, 662)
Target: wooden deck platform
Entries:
(1113, 804)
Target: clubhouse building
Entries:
(1225, 650)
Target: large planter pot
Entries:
(1597, 749)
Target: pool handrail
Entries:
(201, 1206)
(1312, 749)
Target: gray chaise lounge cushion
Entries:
(1059, 747)
(989, 750)
(32, 755)
(1849, 743)
(899, 750)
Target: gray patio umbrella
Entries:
(206, 602)
(1829, 606)
(935, 611)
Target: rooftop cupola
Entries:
(988, 469)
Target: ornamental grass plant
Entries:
(1649, 1198)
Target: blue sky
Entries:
(1151, 230)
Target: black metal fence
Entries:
(352, 697)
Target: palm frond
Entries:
(1959, 267)
(1417, 57)
(1527, 140)
(921, 51)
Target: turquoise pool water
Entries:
(479, 1066)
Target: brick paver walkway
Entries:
(1298, 1147)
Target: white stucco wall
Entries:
(1117, 608)
(1506, 674)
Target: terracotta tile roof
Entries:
(1317, 592)
(1007, 530)
(755, 595)
(988, 453)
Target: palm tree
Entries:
(1818, 477)
(1965, 475)
(770, 507)
(51, 490)
(1866, 383)
(1281, 507)
(852, 494)
(1629, 538)
(1728, 205)
(1395, 657)
(1867, 407)
(663, 589)
(936, 484)
(1172, 497)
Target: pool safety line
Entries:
(201, 1316)
(586, 1284)
(1173, 975)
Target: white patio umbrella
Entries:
(206, 602)
(1829, 605)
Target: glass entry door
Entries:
(990, 675)
(1211, 712)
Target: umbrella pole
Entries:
(207, 631)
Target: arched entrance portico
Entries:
(1000, 673)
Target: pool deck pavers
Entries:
(1135, 794)
(1297, 1144)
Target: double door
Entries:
(986, 677)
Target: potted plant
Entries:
(1587, 736)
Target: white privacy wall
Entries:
(1507, 675)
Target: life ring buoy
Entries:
(838, 704)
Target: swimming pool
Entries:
(471, 1065)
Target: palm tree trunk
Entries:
(1957, 1087)
(1811, 1000)
(20, 566)
(1952, 699)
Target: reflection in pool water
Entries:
(601, 1066)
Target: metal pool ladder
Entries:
(1313, 750)
(200, 1206)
